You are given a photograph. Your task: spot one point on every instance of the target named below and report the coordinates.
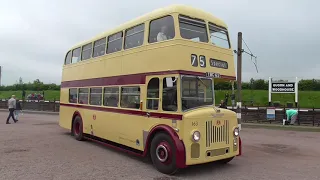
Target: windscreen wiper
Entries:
(202, 81)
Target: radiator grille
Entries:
(216, 133)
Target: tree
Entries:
(20, 80)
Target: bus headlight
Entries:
(236, 132)
(196, 136)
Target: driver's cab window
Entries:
(153, 94)
(169, 94)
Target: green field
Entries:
(307, 99)
(49, 95)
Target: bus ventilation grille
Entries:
(217, 133)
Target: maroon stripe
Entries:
(126, 111)
(128, 79)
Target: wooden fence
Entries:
(307, 117)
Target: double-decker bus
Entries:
(147, 87)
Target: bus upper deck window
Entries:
(76, 55)
(193, 29)
(68, 58)
(161, 29)
(219, 36)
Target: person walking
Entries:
(11, 107)
(18, 109)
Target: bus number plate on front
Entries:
(213, 75)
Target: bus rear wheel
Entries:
(77, 128)
(162, 154)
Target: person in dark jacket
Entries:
(223, 105)
(18, 109)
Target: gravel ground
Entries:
(37, 148)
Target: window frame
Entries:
(174, 29)
(79, 58)
(156, 98)
(118, 96)
(194, 20)
(110, 41)
(178, 87)
(65, 59)
(83, 50)
(90, 90)
(181, 91)
(213, 25)
(134, 33)
(131, 86)
(76, 89)
(94, 46)
(84, 93)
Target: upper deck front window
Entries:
(193, 29)
(219, 36)
(161, 29)
(196, 92)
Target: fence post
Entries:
(284, 113)
(299, 115)
(244, 112)
(39, 104)
(313, 116)
(258, 114)
(270, 121)
(54, 105)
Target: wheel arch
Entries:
(179, 145)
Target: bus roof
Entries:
(181, 9)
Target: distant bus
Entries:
(147, 87)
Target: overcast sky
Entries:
(35, 34)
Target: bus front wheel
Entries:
(77, 129)
(163, 153)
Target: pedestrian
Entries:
(223, 104)
(18, 109)
(11, 107)
(292, 115)
(23, 95)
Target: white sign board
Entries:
(283, 87)
(271, 113)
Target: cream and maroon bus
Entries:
(147, 87)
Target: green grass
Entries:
(307, 99)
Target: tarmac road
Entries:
(37, 148)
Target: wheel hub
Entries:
(162, 153)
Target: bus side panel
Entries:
(131, 130)
(135, 129)
(65, 114)
(105, 125)
(64, 117)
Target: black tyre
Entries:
(163, 154)
(77, 128)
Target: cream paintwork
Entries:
(173, 54)
(201, 115)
